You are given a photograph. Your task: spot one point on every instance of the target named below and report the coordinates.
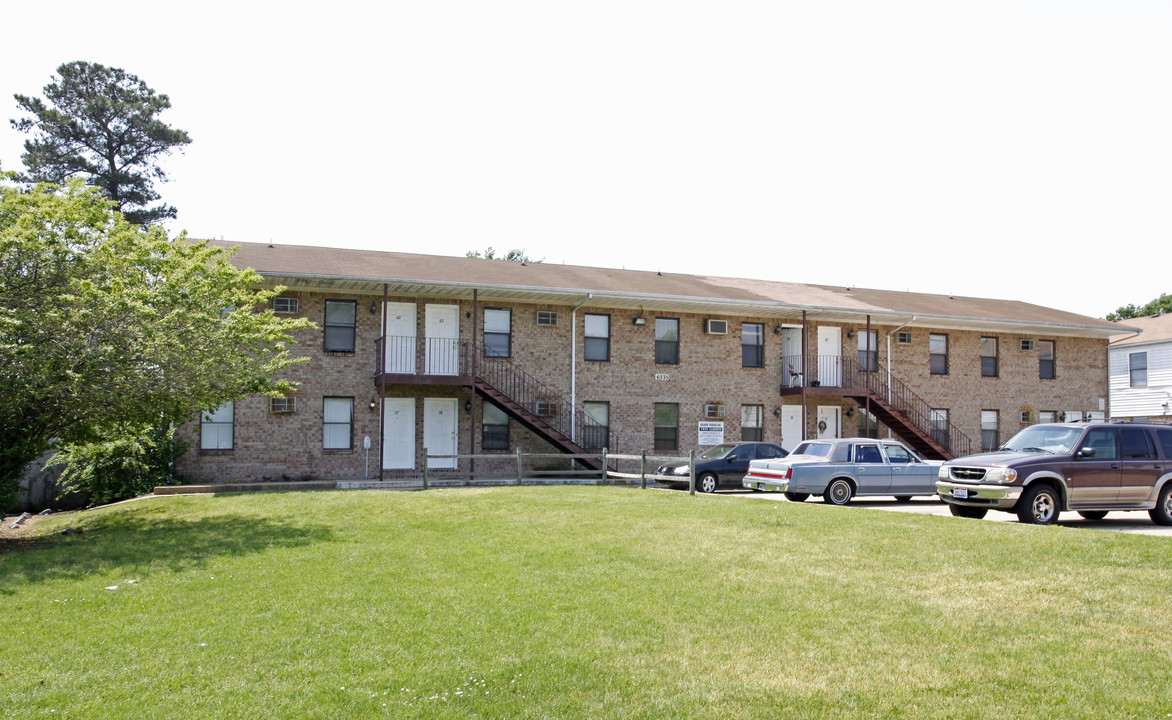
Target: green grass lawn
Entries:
(576, 602)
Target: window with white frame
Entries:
(990, 435)
(498, 324)
(216, 428)
(597, 329)
(337, 423)
(1137, 367)
(341, 320)
(752, 423)
(869, 351)
(596, 431)
(988, 357)
(1046, 359)
(494, 433)
(752, 345)
(938, 353)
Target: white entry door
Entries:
(791, 426)
(791, 356)
(829, 356)
(439, 431)
(442, 335)
(829, 421)
(399, 434)
(401, 324)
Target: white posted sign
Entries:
(711, 432)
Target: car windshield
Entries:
(1044, 438)
(813, 448)
(715, 453)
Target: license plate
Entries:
(960, 493)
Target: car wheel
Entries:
(1093, 514)
(965, 511)
(903, 498)
(796, 496)
(1038, 506)
(706, 483)
(839, 492)
(1161, 514)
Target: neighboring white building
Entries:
(1140, 371)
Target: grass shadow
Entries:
(139, 543)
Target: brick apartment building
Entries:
(464, 355)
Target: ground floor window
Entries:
(667, 426)
(752, 423)
(868, 424)
(494, 432)
(990, 436)
(938, 419)
(215, 428)
(597, 430)
(337, 422)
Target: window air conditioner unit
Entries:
(716, 327)
(283, 405)
(546, 409)
(713, 411)
(1027, 344)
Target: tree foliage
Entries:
(128, 461)
(104, 323)
(100, 124)
(1126, 312)
(511, 256)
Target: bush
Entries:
(132, 462)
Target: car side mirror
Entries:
(1087, 452)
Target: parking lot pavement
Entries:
(1136, 522)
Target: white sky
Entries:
(1018, 149)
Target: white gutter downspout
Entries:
(901, 327)
(574, 366)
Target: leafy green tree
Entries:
(100, 124)
(128, 461)
(511, 256)
(104, 323)
(1160, 304)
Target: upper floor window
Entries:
(869, 351)
(215, 428)
(1137, 366)
(938, 354)
(337, 419)
(1046, 359)
(341, 317)
(494, 434)
(667, 341)
(988, 357)
(752, 345)
(498, 326)
(752, 423)
(597, 337)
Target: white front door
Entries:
(442, 335)
(829, 421)
(399, 434)
(401, 324)
(791, 426)
(829, 356)
(439, 431)
(791, 356)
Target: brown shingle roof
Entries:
(367, 270)
(1151, 329)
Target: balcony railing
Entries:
(851, 372)
(449, 357)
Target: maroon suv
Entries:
(1091, 468)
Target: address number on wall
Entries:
(662, 376)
